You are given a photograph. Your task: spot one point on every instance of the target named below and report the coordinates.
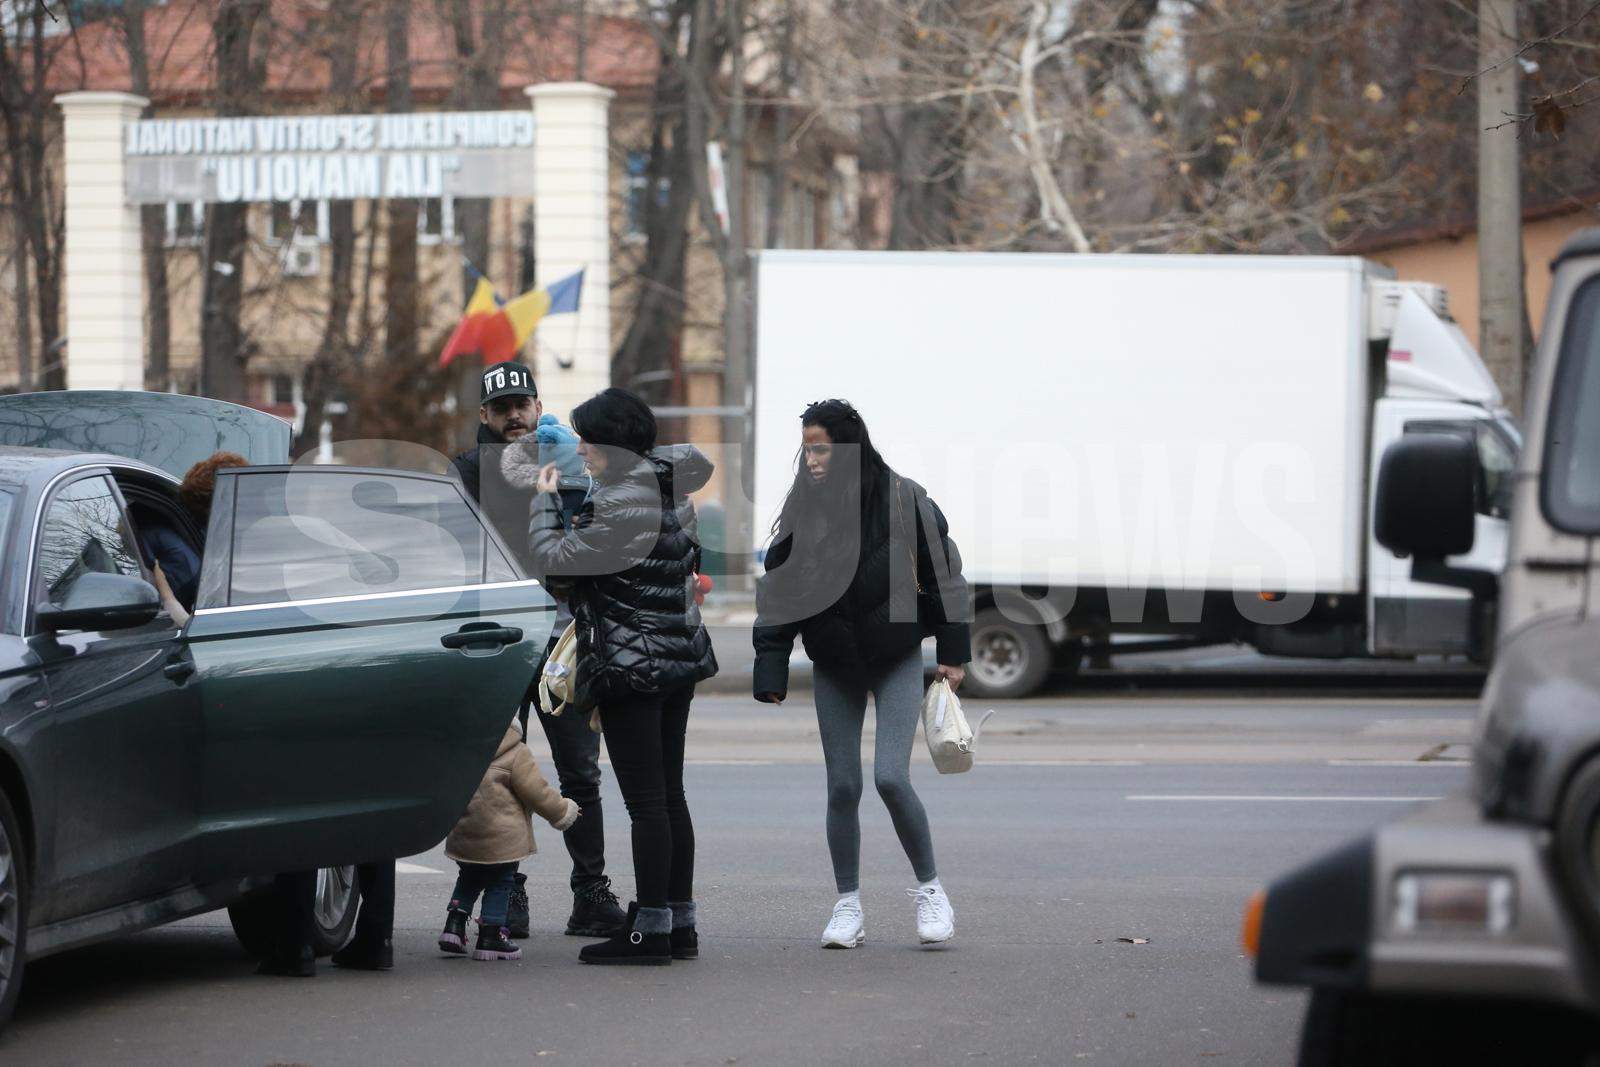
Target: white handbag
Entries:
(560, 672)
(944, 726)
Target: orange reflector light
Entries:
(1270, 598)
(1251, 934)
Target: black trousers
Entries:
(575, 750)
(375, 920)
(645, 738)
(295, 898)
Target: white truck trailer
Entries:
(1182, 446)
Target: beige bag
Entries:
(559, 680)
(944, 726)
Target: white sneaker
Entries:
(936, 919)
(845, 928)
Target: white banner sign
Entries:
(330, 157)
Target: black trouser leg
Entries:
(375, 921)
(295, 894)
(674, 725)
(634, 741)
(575, 751)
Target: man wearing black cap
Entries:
(510, 411)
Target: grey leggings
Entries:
(841, 708)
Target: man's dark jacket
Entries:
(507, 504)
(886, 609)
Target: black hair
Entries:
(616, 418)
(858, 485)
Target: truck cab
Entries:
(1472, 928)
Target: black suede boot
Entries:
(596, 912)
(517, 910)
(685, 941)
(646, 941)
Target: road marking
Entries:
(402, 867)
(1280, 798)
(1399, 763)
(1063, 763)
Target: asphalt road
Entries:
(1079, 827)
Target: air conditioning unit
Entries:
(302, 260)
(1384, 304)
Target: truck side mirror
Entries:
(1427, 495)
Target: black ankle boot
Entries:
(453, 938)
(302, 964)
(494, 943)
(651, 947)
(685, 941)
(517, 910)
(596, 912)
(369, 954)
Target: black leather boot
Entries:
(646, 941)
(360, 955)
(517, 909)
(596, 911)
(453, 938)
(302, 964)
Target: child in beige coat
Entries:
(489, 841)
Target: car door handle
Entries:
(480, 634)
(179, 670)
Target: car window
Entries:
(84, 532)
(1571, 490)
(304, 535)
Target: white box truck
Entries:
(1173, 445)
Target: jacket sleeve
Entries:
(774, 635)
(533, 792)
(614, 531)
(939, 571)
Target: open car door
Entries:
(360, 643)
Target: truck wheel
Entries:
(13, 910)
(1344, 1029)
(255, 919)
(1010, 659)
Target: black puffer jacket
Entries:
(884, 610)
(630, 557)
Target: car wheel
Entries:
(1345, 1029)
(13, 910)
(255, 919)
(1010, 659)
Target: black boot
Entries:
(494, 943)
(366, 955)
(645, 942)
(453, 938)
(685, 941)
(596, 912)
(302, 964)
(517, 909)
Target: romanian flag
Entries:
(497, 329)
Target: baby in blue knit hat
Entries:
(558, 445)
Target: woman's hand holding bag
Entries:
(944, 726)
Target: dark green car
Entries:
(359, 642)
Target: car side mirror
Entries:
(1427, 496)
(99, 601)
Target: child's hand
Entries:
(568, 817)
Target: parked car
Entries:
(360, 639)
(1470, 931)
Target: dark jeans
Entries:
(494, 881)
(575, 750)
(644, 736)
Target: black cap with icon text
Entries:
(507, 379)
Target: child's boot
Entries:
(453, 938)
(494, 943)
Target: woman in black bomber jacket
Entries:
(630, 558)
(862, 568)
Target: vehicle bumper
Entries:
(1333, 922)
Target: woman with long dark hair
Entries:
(628, 563)
(861, 568)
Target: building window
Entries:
(280, 390)
(436, 221)
(298, 220)
(186, 223)
(637, 191)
